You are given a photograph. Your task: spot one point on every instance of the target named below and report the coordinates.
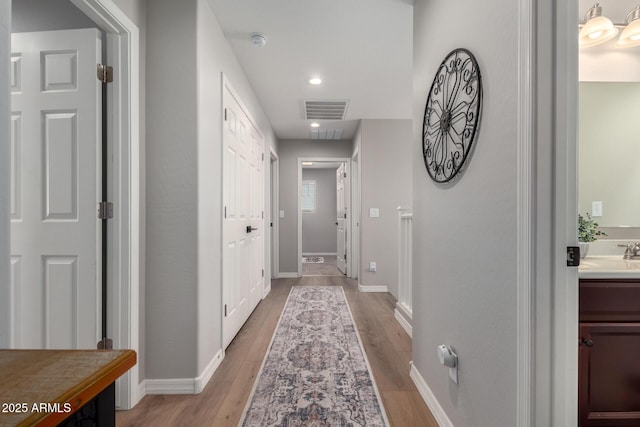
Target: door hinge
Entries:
(105, 73)
(105, 344)
(225, 211)
(573, 256)
(345, 174)
(225, 310)
(262, 214)
(263, 157)
(263, 272)
(225, 114)
(345, 257)
(105, 210)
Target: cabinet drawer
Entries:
(610, 300)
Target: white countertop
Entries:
(608, 267)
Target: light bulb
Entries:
(595, 35)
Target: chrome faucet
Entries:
(632, 251)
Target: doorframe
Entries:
(354, 261)
(549, 63)
(227, 89)
(274, 247)
(123, 53)
(347, 162)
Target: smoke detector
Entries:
(258, 40)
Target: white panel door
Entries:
(243, 197)
(341, 214)
(55, 170)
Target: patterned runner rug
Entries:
(313, 260)
(315, 372)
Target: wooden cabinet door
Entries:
(609, 364)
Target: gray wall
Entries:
(172, 268)
(47, 15)
(5, 150)
(319, 227)
(215, 57)
(186, 54)
(385, 174)
(464, 275)
(289, 151)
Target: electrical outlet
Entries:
(372, 266)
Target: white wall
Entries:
(609, 65)
(386, 183)
(5, 150)
(319, 226)
(464, 276)
(289, 151)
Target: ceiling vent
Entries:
(328, 109)
(333, 134)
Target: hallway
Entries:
(221, 403)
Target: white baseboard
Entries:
(319, 254)
(203, 379)
(373, 288)
(184, 385)
(266, 290)
(404, 322)
(288, 275)
(429, 398)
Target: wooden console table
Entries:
(45, 387)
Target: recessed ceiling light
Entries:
(307, 163)
(315, 125)
(315, 81)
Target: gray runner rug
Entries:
(315, 372)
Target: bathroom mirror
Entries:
(609, 152)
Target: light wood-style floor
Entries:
(222, 401)
(328, 268)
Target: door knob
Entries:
(250, 229)
(588, 343)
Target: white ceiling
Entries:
(362, 49)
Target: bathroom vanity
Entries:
(609, 342)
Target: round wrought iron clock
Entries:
(451, 116)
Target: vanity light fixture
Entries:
(315, 81)
(597, 29)
(631, 34)
(307, 163)
(315, 125)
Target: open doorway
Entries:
(323, 212)
(64, 182)
(322, 234)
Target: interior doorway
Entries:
(122, 53)
(324, 204)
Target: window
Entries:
(308, 196)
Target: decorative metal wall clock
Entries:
(452, 115)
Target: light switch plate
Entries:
(374, 212)
(372, 266)
(596, 209)
(281, 214)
